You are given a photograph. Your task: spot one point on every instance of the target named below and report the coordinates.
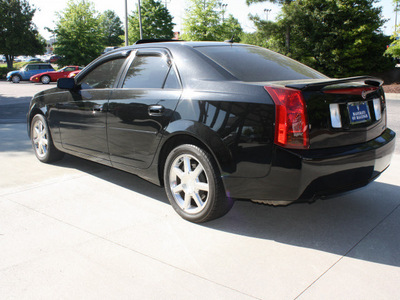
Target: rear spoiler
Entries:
(316, 86)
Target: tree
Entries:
(336, 37)
(204, 22)
(111, 27)
(394, 47)
(156, 22)
(79, 39)
(272, 1)
(265, 35)
(231, 28)
(287, 25)
(18, 35)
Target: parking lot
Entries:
(79, 230)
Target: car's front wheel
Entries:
(45, 79)
(194, 186)
(42, 142)
(15, 79)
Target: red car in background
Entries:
(53, 59)
(47, 77)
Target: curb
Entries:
(392, 96)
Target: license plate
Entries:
(359, 112)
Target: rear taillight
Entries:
(291, 124)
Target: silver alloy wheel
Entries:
(15, 79)
(189, 184)
(40, 138)
(45, 79)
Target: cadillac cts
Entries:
(215, 121)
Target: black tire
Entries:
(42, 142)
(194, 186)
(45, 79)
(15, 79)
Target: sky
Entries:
(45, 15)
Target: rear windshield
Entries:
(253, 64)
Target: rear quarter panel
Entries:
(236, 128)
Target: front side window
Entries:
(103, 76)
(69, 69)
(147, 72)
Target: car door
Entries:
(82, 113)
(141, 108)
(29, 71)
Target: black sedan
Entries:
(214, 122)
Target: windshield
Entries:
(254, 64)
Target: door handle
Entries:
(156, 110)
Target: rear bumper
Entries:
(306, 174)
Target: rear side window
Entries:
(253, 64)
(147, 72)
(34, 67)
(45, 67)
(172, 81)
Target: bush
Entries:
(4, 70)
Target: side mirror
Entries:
(66, 83)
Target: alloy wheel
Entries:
(40, 138)
(189, 184)
(16, 79)
(45, 79)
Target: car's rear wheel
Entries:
(15, 79)
(194, 186)
(42, 142)
(45, 79)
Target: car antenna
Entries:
(231, 40)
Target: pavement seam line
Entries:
(47, 184)
(132, 250)
(351, 249)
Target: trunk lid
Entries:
(341, 112)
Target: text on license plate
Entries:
(359, 112)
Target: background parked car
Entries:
(19, 58)
(53, 59)
(28, 71)
(34, 59)
(47, 77)
(110, 48)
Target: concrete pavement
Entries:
(79, 230)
